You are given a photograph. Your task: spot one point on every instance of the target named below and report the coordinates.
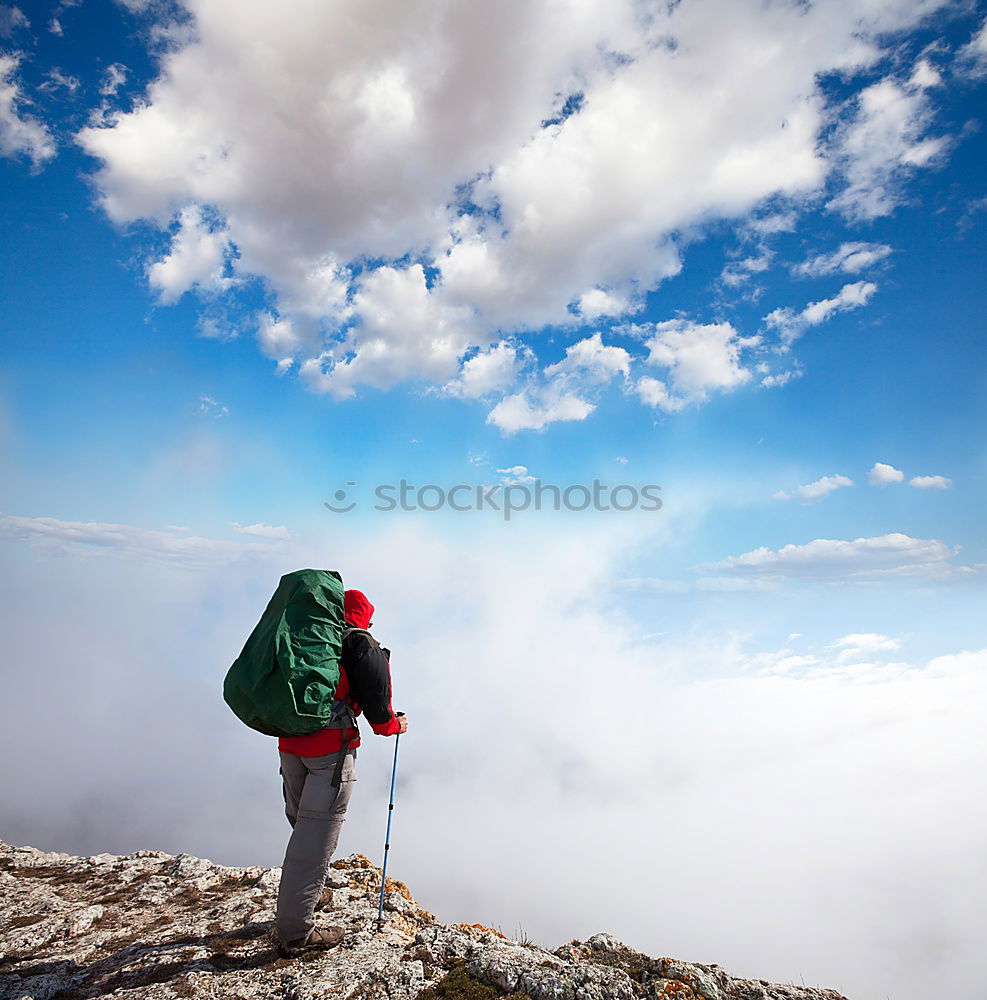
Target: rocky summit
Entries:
(156, 925)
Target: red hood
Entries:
(358, 610)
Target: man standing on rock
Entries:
(318, 771)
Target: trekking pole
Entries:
(387, 837)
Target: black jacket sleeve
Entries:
(369, 673)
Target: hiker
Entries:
(318, 772)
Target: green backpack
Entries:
(284, 680)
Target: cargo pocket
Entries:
(321, 798)
(347, 782)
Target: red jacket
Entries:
(371, 679)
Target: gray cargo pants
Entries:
(316, 810)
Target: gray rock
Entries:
(153, 925)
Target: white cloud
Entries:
(654, 393)
(56, 79)
(114, 77)
(535, 409)
(590, 362)
(655, 584)
(516, 475)
(262, 530)
(776, 222)
(738, 272)
(852, 666)
(172, 546)
(850, 297)
(598, 302)
(11, 19)
(883, 475)
(925, 75)
(20, 134)
(791, 324)
(858, 646)
(865, 640)
(216, 327)
(972, 58)
(388, 175)
(781, 378)
(850, 258)
(404, 332)
(199, 257)
(893, 554)
(563, 390)
(698, 358)
(884, 141)
(279, 338)
(815, 491)
(703, 584)
(931, 482)
(494, 369)
(212, 406)
(55, 25)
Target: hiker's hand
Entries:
(403, 724)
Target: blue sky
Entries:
(735, 250)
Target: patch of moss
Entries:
(233, 883)
(647, 972)
(458, 984)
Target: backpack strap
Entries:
(337, 776)
(350, 629)
(343, 718)
(373, 640)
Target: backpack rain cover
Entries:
(284, 680)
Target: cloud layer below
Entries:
(784, 812)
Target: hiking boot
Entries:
(325, 900)
(318, 938)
